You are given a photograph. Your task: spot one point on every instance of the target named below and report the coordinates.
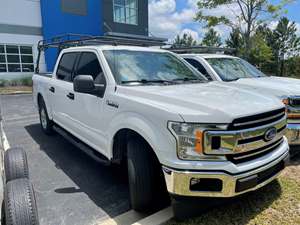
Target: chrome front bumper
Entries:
(293, 133)
(179, 182)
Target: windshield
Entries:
(149, 67)
(230, 69)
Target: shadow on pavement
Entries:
(105, 186)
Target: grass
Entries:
(277, 203)
(15, 89)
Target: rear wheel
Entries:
(46, 123)
(146, 183)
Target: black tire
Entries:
(146, 183)
(45, 122)
(15, 164)
(19, 203)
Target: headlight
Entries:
(189, 137)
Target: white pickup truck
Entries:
(227, 68)
(175, 131)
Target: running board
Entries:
(85, 148)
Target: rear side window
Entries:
(66, 66)
(199, 67)
(89, 65)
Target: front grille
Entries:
(251, 155)
(257, 120)
(295, 102)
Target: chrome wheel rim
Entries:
(43, 119)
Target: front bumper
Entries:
(293, 133)
(222, 184)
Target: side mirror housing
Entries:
(85, 84)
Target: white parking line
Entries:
(127, 218)
(158, 218)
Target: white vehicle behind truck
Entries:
(220, 67)
(176, 132)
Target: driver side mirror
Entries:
(85, 84)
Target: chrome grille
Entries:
(294, 101)
(250, 155)
(257, 120)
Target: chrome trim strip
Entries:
(257, 121)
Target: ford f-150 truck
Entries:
(227, 68)
(176, 132)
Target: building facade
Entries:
(24, 22)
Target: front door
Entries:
(87, 118)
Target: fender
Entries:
(149, 131)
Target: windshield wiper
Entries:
(145, 81)
(188, 79)
(235, 79)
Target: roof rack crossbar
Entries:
(201, 49)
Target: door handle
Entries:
(52, 89)
(71, 96)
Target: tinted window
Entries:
(199, 67)
(89, 65)
(65, 67)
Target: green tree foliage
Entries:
(211, 39)
(250, 15)
(260, 54)
(186, 40)
(285, 43)
(235, 40)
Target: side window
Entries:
(199, 67)
(89, 65)
(65, 66)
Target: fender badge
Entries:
(112, 104)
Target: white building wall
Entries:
(21, 12)
(21, 24)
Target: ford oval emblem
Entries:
(270, 134)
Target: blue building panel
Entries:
(59, 19)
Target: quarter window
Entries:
(66, 65)
(125, 11)
(16, 58)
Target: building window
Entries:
(126, 11)
(16, 58)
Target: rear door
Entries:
(62, 90)
(88, 116)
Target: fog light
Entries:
(206, 184)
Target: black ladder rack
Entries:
(74, 40)
(201, 49)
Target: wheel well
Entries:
(120, 144)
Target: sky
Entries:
(167, 18)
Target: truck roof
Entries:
(118, 47)
(208, 55)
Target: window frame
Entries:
(124, 7)
(100, 63)
(206, 74)
(22, 65)
(73, 68)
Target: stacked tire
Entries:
(19, 198)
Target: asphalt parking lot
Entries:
(71, 188)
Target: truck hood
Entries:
(278, 86)
(211, 102)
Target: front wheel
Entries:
(46, 123)
(146, 183)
